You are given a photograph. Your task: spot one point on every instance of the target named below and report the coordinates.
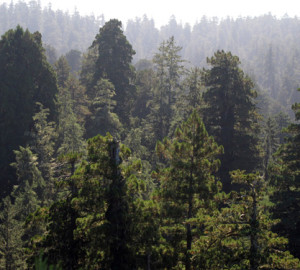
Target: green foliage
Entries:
(134, 140)
(88, 70)
(72, 109)
(195, 89)
(26, 166)
(168, 67)
(267, 45)
(283, 121)
(100, 222)
(230, 114)
(94, 206)
(264, 244)
(80, 102)
(11, 252)
(70, 133)
(240, 236)
(74, 58)
(29, 193)
(62, 70)
(43, 139)
(145, 80)
(270, 80)
(187, 186)
(42, 144)
(103, 206)
(56, 241)
(114, 63)
(61, 30)
(41, 264)
(285, 178)
(59, 244)
(27, 197)
(27, 79)
(103, 119)
(270, 143)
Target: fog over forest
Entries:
(267, 47)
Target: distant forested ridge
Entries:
(60, 29)
(268, 47)
(176, 148)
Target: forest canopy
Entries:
(146, 148)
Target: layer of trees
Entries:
(267, 46)
(206, 180)
(61, 31)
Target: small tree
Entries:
(30, 189)
(42, 144)
(70, 133)
(270, 143)
(62, 69)
(11, 244)
(169, 68)
(103, 119)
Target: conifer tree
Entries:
(42, 144)
(102, 118)
(270, 143)
(28, 196)
(70, 133)
(240, 236)
(62, 70)
(27, 79)
(11, 253)
(168, 66)
(282, 121)
(29, 177)
(195, 90)
(187, 185)
(97, 224)
(88, 69)
(285, 177)
(74, 58)
(230, 114)
(144, 82)
(113, 62)
(56, 243)
(270, 79)
(264, 244)
(80, 102)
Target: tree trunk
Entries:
(188, 226)
(254, 263)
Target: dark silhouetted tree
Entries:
(26, 78)
(230, 114)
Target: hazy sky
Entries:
(184, 10)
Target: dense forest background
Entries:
(268, 47)
(143, 148)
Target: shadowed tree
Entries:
(285, 177)
(230, 114)
(26, 78)
(113, 62)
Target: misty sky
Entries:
(185, 10)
